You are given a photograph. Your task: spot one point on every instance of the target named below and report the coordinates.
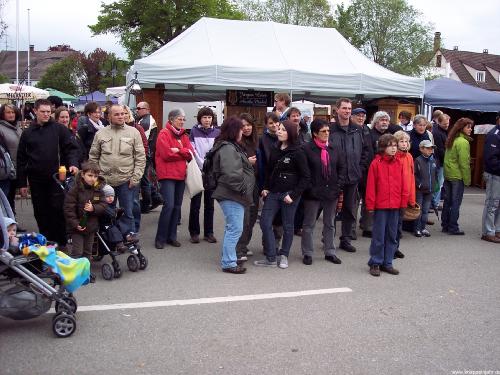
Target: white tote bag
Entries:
(194, 181)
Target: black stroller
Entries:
(111, 242)
(28, 288)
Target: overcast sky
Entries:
(470, 25)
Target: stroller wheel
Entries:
(133, 263)
(117, 269)
(143, 262)
(107, 271)
(71, 301)
(63, 324)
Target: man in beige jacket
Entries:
(119, 152)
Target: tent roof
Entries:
(96, 96)
(448, 93)
(61, 94)
(215, 54)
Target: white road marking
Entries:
(473, 194)
(201, 301)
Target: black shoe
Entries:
(210, 238)
(194, 238)
(174, 243)
(159, 245)
(457, 233)
(398, 254)
(238, 270)
(444, 230)
(307, 260)
(92, 278)
(375, 270)
(390, 270)
(367, 233)
(333, 259)
(347, 247)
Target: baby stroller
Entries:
(111, 242)
(28, 287)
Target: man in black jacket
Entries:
(491, 213)
(347, 139)
(43, 147)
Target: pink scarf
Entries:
(173, 129)
(325, 158)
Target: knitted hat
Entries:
(8, 221)
(108, 191)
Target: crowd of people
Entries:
(293, 173)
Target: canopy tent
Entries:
(216, 54)
(95, 96)
(448, 93)
(62, 95)
(12, 91)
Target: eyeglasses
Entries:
(139, 108)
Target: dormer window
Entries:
(480, 76)
(438, 61)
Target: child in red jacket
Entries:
(386, 195)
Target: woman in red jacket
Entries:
(386, 195)
(171, 156)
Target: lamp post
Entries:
(113, 72)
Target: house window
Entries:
(438, 61)
(480, 76)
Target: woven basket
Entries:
(411, 213)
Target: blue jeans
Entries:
(436, 197)
(233, 215)
(172, 192)
(125, 197)
(384, 237)
(272, 204)
(137, 210)
(451, 206)
(491, 212)
(424, 200)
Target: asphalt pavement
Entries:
(441, 315)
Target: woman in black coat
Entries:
(327, 168)
(92, 125)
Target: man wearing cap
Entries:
(491, 212)
(347, 139)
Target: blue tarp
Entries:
(448, 93)
(96, 96)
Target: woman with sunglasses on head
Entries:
(287, 176)
(327, 168)
(457, 173)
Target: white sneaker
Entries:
(249, 253)
(243, 258)
(283, 261)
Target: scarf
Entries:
(173, 129)
(97, 125)
(325, 158)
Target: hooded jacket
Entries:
(321, 188)
(457, 160)
(202, 140)
(440, 135)
(172, 165)
(119, 152)
(42, 149)
(234, 173)
(349, 141)
(386, 187)
(409, 173)
(287, 171)
(491, 153)
(75, 200)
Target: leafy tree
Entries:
(295, 12)
(63, 75)
(4, 78)
(144, 26)
(390, 32)
(60, 48)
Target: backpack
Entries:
(7, 168)
(208, 171)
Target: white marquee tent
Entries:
(216, 54)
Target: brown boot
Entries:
(375, 270)
(390, 270)
(489, 238)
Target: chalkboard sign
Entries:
(249, 98)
